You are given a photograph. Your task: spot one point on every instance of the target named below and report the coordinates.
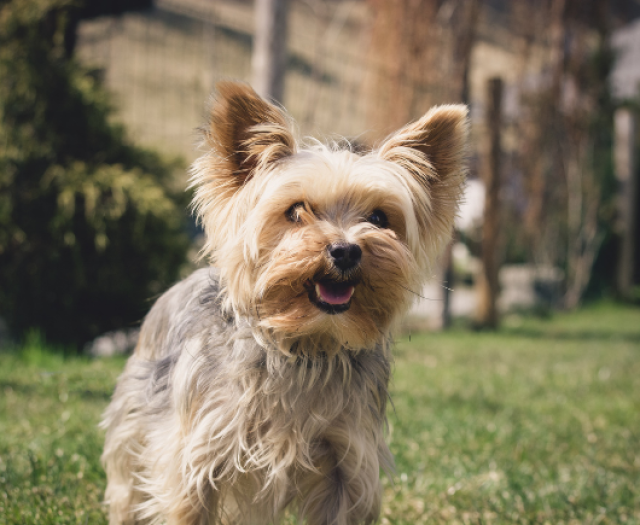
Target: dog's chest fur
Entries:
(244, 415)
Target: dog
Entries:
(259, 385)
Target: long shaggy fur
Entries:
(246, 394)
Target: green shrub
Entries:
(91, 226)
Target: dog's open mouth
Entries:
(333, 297)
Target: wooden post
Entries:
(488, 286)
(269, 60)
(465, 39)
(625, 167)
(447, 284)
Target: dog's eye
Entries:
(378, 218)
(293, 213)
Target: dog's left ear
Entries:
(433, 151)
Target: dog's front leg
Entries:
(188, 509)
(346, 488)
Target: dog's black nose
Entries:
(344, 255)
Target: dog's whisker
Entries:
(419, 295)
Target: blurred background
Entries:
(520, 405)
(100, 101)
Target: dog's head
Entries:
(318, 245)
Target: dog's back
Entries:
(142, 396)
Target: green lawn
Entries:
(538, 423)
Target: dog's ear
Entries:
(246, 132)
(433, 151)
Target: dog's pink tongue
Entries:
(334, 293)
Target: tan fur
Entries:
(244, 396)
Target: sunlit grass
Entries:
(537, 423)
(50, 471)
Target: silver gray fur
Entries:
(331, 411)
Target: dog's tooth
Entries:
(318, 293)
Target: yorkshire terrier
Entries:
(260, 383)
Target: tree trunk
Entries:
(464, 40)
(625, 130)
(488, 286)
(447, 284)
(269, 61)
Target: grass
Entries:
(537, 423)
(50, 470)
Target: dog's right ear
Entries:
(245, 132)
(244, 135)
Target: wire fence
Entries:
(162, 64)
